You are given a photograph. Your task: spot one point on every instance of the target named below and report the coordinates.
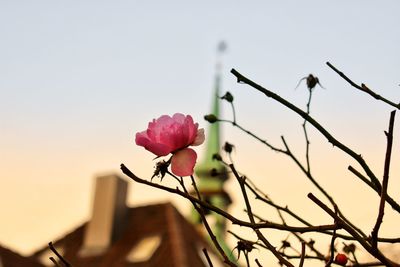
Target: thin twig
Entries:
(322, 130)
(303, 253)
(195, 187)
(201, 212)
(306, 134)
(311, 246)
(389, 136)
(332, 245)
(246, 255)
(207, 257)
(307, 171)
(375, 252)
(258, 263)
(61, 258)
(234, 220)
(233, 113)
(321, 189)
(251, 218)
(55, 262)
(362, 177)
(253, 135)
(263, 197)
(363, 87)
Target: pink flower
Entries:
(173, 135)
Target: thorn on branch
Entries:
(363, 86)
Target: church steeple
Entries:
(213, 142)
(212, 174)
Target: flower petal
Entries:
(158, 149)
(183, 161)
(179, 118)
(142, 139)
(199, 137)
(191, 129)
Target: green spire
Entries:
(204, 169)
(213, 146)
(212, 174)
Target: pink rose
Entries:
(173, 135)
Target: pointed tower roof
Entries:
(209, 169)
(212, 174)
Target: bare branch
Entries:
(270, 247)
(54, 261)
(363, 87)
(207, 257)
(389, 136)
(303, 254)
(375, 252)
(61, 258)
(323, 131)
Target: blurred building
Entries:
(9, 258)
(121, 236)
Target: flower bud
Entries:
(211, 118)
(228, 147)
(214, 172)
(217, 156)
(351, 248)
(228, 97)
(285, 244)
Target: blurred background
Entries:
(78, 79)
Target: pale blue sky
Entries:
(79, 78)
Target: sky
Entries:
(78, 79)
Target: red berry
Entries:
(341, 259)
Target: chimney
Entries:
(108, 215)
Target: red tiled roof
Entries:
(9, 258)
(180, 245)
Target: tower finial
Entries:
(221, 48)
